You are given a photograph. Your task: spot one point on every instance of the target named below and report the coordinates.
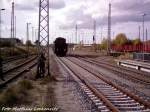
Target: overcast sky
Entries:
(64, 14)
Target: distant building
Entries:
(10, 41)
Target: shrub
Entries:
(15, 94)
(8, 96)
(25, 84)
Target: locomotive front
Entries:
(60, 47)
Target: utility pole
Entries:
(1, 21)
(101, 33)
(109, 31)
(27, 41)
(0, 29)
(33, 35)
(76, 34)
(15, 27)
(139, 28)
(139, 32)
(94, 35)
(94, 32)
(43, 32)
(146, 34)
(143, 31)
(146, 42)
(12, 29)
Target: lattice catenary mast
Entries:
(43, 30)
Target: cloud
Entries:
(65, 14)
(122, 11)
(76, 15)
(25, 7)
(28, 5)
(133, 6)
(57, 4)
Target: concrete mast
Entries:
(12, 29)
(109, 30)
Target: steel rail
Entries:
(95, 91)
(136, 98)
(133, 77)
(21, 72)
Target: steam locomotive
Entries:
(60, 47)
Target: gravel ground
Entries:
(59, 94)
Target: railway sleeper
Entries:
(88, 93)
(122, 101)
(95, 98)
(106, 88)
(103, 109)
(115, 95)
(102, 85)
(99, 103)
(112, 96)
(146, 110)
(127, 109)
(91, 95)
(128, 105)
(120, 98)
(112, 93)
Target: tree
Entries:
(103, 44)
(120, 40)
(136, 41)
(28, 42)
(36, 42)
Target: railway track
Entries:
(17, 71)
(122, 72)
(11, 59)
(140, 73)
(11, 64)
(137, 88)
(105, 95)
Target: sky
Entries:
(65, 14)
